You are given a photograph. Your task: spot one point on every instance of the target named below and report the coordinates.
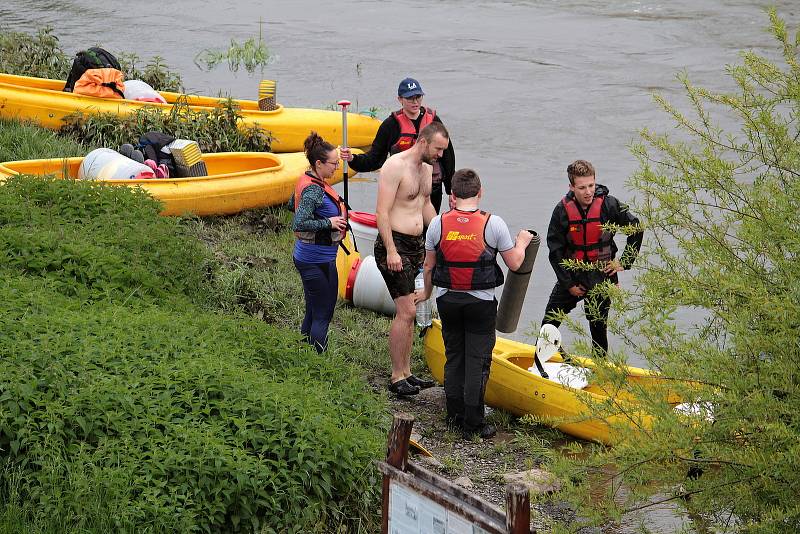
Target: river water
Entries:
(524, 86)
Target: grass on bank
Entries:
(20, 141)
(130, 401)
(260, 279)
(218, 129)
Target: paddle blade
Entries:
(419, 448)
(549, 342)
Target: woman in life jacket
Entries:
(319, 224)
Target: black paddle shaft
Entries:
(539, 365)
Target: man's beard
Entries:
(430, 160)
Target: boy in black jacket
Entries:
(576, 232)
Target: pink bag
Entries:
(161, 171)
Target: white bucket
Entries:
(107, 164)
(365, 231)
(369, 289)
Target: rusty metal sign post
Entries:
(418, 501)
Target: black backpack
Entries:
(93, 58)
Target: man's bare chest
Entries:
(413, 187)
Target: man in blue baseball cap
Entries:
(399, 133)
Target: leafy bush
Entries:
(720, 197)
(94, 241)
(131, 409)
(37, 55)
(216, 130)
(195, 421)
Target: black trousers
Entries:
(436, 195)
(468, 329)
(561, 300)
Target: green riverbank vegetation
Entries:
(218, 129)
(251, 55)
(137, 396)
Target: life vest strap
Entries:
(467, 264)
(584, 221)
(592, 246)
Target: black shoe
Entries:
(421, 383)
(403, 388)
(484, 432)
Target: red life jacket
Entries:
(587, 239)
(463, 260)
(408, 133)
(320, 237)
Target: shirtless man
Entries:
(404, 208)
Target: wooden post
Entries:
(518, 509)
(416, 489)
(396, 456)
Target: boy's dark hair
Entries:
(465, 183)
(579, 167)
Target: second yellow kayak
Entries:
(237, 181)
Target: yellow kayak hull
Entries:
(513, 388)
(42, 100)
(237, 181)
(345, 263)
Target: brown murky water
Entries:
(524, 86)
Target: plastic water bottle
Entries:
(424, 307)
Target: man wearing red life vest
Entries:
(461, 249)
(576, 233)
(399, 133)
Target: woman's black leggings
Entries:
(320, 285)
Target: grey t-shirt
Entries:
(496, 235)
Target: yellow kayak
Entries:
(513, 388)
(237, 181)
(43, 101)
